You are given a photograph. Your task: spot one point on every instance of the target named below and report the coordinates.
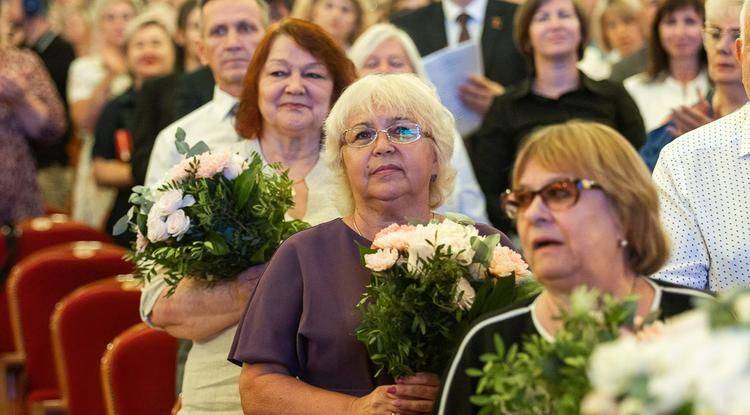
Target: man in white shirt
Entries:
(703, 179)
(230, 32)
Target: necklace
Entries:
(356, 228)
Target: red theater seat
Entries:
(83, 324)
(37, 283)
(42, 232)
(138, 372)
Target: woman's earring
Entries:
(623, 243)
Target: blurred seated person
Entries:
(551, 33)
(676, 69)
(619, 35)
(719, 37)
(343, 20)
(383, 49)
(188, 36)
(587, 214)
(30, 111)
(150, 52)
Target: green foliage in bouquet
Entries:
(408, 327)
(423, 296)
(234, 222)
(545, 377)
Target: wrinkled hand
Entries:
(381, 401)
(478, 93)
(114, 62)
(417, 394)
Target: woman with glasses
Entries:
(587, 214)
(719, 37)
(388, 145)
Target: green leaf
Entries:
(199, 148)
(459, 218)
(244, 185)
(182, 147)
(121, 225)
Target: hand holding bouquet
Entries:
(428, 283)
(213, 216)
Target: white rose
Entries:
(381, 260)
(178, 223)
(234, 167)
(464, 294)
(598, 404)
(168, 202)
(156, 227)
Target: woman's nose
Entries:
(382, 144)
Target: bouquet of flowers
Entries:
(428, 282)
(545, 377)
(696, 363)
(213, 216)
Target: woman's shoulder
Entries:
(674, 299)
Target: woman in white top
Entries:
(386, 49)
(676, 70)
(93, 80)
(295, 76)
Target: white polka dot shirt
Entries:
(703, 180)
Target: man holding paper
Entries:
(487, 22)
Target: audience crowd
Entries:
(93, 92)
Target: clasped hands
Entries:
(410, 395)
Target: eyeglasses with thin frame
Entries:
(557, 196)
(714, 34)
(400, 132)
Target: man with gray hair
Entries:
(207, 315)
(703, 177)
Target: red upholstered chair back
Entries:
(83, 324)
(38, 282)
(138, 372)
(43, 232)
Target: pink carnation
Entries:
(381, 260)
(506, 261)
(394, 236)
(210, 164)
(180, 171)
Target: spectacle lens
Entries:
(401, 132)
(557, 196)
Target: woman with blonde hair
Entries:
(587, 214)
(384, 49)
(388, 143)
(343, 20)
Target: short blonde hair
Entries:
(373, 37)
(303, 10)
(597, 152)
(158, 14)
(402, 94)
(625, 8)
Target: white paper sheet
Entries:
(448, 69)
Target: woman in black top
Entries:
(595, 223)
(150, 53)
(552, 35)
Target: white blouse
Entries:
(656, 98)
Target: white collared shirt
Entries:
(657, 98)
(476, 10)
(212, 123)
(703, 180)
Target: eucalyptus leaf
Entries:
(121, 226)
(199, 148)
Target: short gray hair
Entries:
(373, 37)
(403, 94)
